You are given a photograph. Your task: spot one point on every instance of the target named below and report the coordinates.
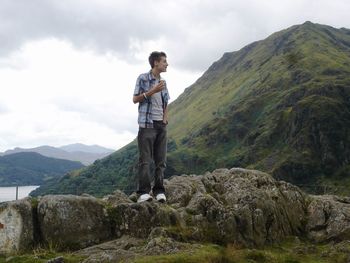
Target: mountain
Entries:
(32, 168)
(74, 152)
(280, 105)
(78, 147)
(45, 150)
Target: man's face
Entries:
(161, 65)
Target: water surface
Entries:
(9, 193)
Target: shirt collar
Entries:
(151, 77)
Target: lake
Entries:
(9, 193)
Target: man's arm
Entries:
(141, 97)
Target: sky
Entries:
(68, 67)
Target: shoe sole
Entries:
(148, 200)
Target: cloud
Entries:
(102, 26)
(3, 108)
(57, 128)
(109, 114)
(194, 33)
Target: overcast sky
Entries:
(68, 67)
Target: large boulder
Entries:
(69, 221)
(238, 205)
(226, 206)
(16, 226)
(329, 218)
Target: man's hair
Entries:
(155, 56)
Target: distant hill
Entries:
(78, 147)
(32, 169)
(74, 152)
(280, 105)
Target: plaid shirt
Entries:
(143, 84)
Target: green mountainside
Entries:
(280, 105)
(29, 168)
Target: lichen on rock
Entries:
(69, 221)
(16, 226)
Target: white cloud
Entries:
(194, 33)
(3, 108)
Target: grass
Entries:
(208, 253)
(338, 184)
(291, 251)
(41, 257)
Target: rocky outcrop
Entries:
(226, 206)
(73, 222)
(329, 218)
(16, 226)
(244, 206)
(240, 206)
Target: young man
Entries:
(152, 95)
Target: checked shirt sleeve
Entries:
(138, 87)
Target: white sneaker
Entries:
(144, 197)
(161, 198)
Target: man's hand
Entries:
(159, 87)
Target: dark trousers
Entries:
(152, 144)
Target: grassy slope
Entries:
(280, 105)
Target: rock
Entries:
(133, 197)
(180, 189)
(160, 241)
(56, 260)
(16, 226)
(138, 219)
(69, 221)
(226, 206)
(125, 248)
(328, 218)
(118, 197)
(238, 206)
